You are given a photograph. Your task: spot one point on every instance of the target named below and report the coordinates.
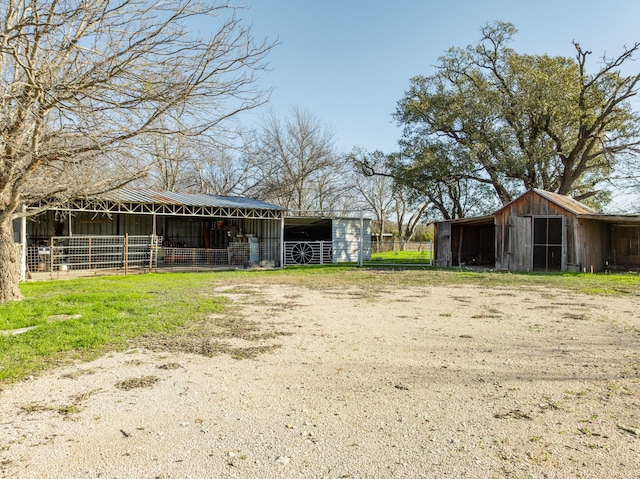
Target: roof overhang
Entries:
(146, 202)
(630, 220)
(475, 221)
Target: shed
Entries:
(326, 239)
(217, 230)
(142, 229)
(541, 231)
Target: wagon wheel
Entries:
(302, 253)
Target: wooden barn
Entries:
(541, 231)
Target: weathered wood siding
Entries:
(591, 240)
(442, 240)
(514, 232)
(624, 246)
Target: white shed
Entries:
(322, 240)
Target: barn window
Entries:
(547, 243)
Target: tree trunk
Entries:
(10, 271)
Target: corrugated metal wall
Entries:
(346, 239)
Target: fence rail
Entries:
(82, 255)
(79, 255)
(69, 253)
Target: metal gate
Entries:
(307, 252)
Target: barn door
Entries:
(547, 243)
(519, 243)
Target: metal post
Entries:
(282, 241)
(126, 252)
(361, 246)
(152, 243)
(23, 240)
(51, 258)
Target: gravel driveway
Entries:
(430, 382)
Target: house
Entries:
(541, 231)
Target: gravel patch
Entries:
(428, 382)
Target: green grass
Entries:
(112, 311)
(401, 257)
(115, 312)
(333, 276)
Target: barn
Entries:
(139, 229)
(541, 231)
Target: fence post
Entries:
(361, 242)
(126, 253)
(152, 242)
(431, 253)
(23, 240)
(51, 258)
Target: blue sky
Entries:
(348, 62)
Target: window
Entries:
(547, 243)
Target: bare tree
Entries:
(375, 190)
(199, 164)
(408, 214)
(296, 164)
(85, 84)
(169, 163)
(386, 196)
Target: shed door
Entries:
(443, 253)
(547, 243)
(520, 243)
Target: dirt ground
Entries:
(430, 382)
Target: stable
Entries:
(541, 231)
(131, 228)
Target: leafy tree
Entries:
(86, 85)
(439, 177)
(492, 117)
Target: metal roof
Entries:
(145, 196)
(574, 206)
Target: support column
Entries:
(23, 240)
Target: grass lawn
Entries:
(401, 257)
(83, 318)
